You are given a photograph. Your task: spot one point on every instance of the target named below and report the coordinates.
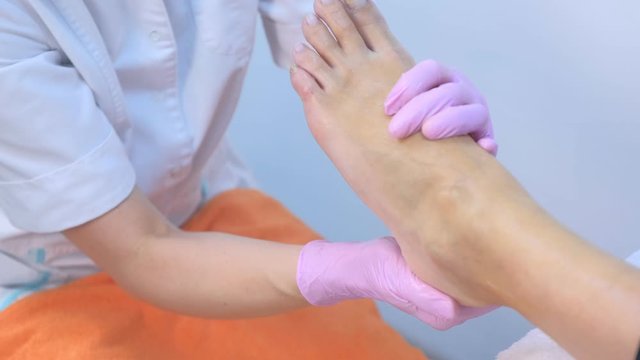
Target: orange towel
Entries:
(94, 319)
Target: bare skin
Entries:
(463, 222)
(213, 275)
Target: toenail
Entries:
(312, 19)
(299, 48)
(356, 4)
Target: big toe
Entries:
(371, 24)
(336, 16)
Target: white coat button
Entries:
(154, 35)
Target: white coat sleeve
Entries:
(61, 163)
(282, 21)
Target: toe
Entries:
(307, 59)
(305, 85)
(319, 36)
(335, 15)
(371, 24)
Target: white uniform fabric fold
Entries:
(282, 20)
(59, 198)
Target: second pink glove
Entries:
(441, 103)
(332, 272)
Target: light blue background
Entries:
(562, 79)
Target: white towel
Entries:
(536, 345)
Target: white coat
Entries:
(98, 96)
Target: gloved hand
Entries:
(332, 272)
(440, 102)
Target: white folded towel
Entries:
(536, 345)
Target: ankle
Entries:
(471, 225)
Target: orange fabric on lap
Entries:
(93, 318)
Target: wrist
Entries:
(288, 265)
(330, 272)
(323, 273)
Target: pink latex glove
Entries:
(441, 103)
(332, 272)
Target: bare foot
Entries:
(463, 223)
(343, 87)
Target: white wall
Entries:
(563, 82)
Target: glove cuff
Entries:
(320, 274)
